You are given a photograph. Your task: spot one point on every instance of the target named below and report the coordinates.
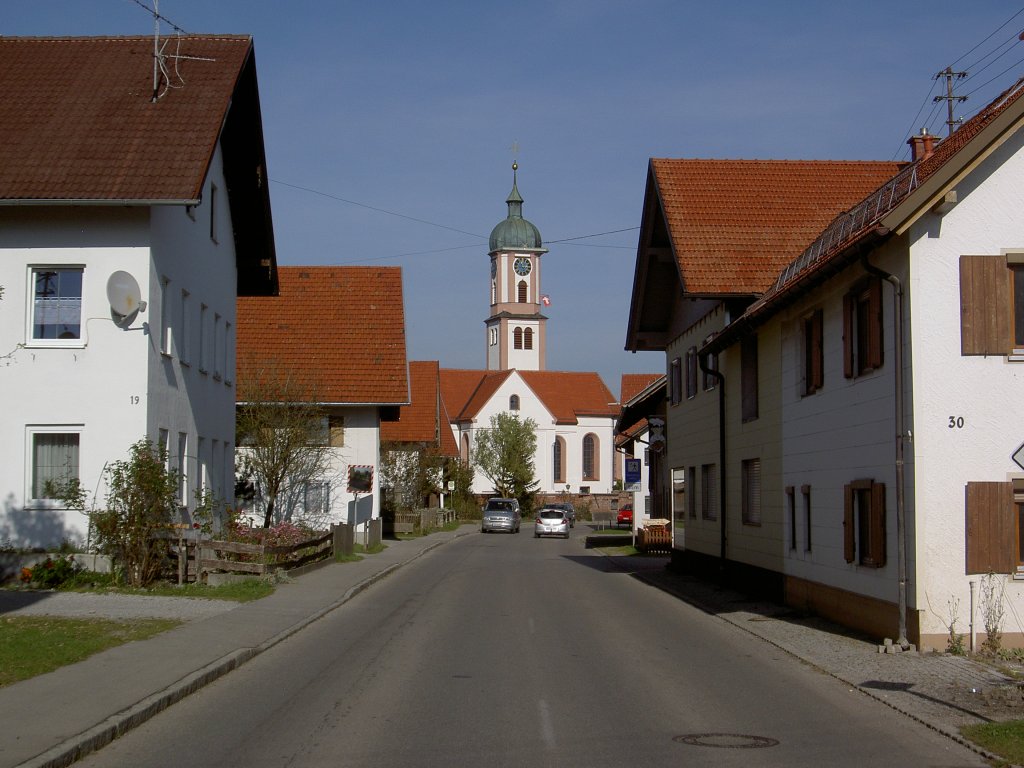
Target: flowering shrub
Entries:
(281, 535)
(51, 573)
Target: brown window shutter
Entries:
(817, 371)
(849, 530)
(878, 524)
(986, 305)
(875, 325)
(990, 528)
(848, 305)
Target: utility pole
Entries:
(949, 98)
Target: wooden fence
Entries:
(422, 520)
(196, 558)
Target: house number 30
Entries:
(956, 422)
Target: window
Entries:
(522, 292)
(528, 338)
(675, 381)
(691, 372)
(708, 380)
(805, 491)
(229, 356)
(54, 461)
(204, 343)
(993, 525)
(708, 492)
(57, 304)
(991, 304)
(864, 523)
(862, 328)
(218, 345)
(316, 497)
(517, 338)
(691, 497)
(185, 353)
(182, 468)
(513, 402)
(814, 363)
(336, 431)
(679, 503)
(750, 474)
(494, 292)
(165, 316)
(791, 509)
(748, 377)
(590, 457)
(558, 461)
(213, 212)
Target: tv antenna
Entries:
(160, 58)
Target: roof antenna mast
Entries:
(156, 47)
(949, 98)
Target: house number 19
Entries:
(956, 422)
(133, 399)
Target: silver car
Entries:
(551, 522)
(500, 515)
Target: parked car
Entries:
(500, 515)
(551, 522)
(570, 511)
(625, 516)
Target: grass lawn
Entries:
(1004, 739)
(239, 591)
(612, 532)
(34, 645)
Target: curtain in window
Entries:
(54, 458)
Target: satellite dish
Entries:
(124, 294)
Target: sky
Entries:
(391, 127)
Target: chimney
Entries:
(922, 145)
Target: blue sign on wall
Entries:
(632, 470)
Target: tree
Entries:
(408, 474)
(504, 453)
(141, 504)
(284, 439)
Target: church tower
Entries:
(516, 336)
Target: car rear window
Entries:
(551, 514)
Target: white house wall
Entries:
(986, 393)
(113, 385)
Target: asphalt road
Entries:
(502, 650)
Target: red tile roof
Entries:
(734, 224)
(633, 384)
(425, 419)
(78, 121)
(341, 328)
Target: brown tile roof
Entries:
(844, 234)
(567, 395)
(734, 224)
(632, 384)
(342, 328)
(78, 121)
(425, 419)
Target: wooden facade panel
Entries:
(985, 305)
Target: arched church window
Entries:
(522, 292)
(558, 461)
(590, 457)
(517, 338)
(528, 338)
(513, 403)
(494, 292)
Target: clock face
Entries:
(521, 266)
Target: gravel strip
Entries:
(112, 606)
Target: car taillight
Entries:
(538, 521)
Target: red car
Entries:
(625, 516)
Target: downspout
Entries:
(702, 359)
(901, 534)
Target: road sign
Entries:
(1018, 456)
(632, 471)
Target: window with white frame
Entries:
(165, 316)
(54, 460)
(182, 468)
(218, 345)
(316, 497)
(57, 303)
(185, 348)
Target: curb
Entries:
(93, 739)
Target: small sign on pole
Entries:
(632, 471)
(1018, 456)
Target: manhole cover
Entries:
(726, 740)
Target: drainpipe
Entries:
(901, 534)
(723, 539)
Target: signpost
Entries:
(633, 475)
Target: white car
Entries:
(551, 522)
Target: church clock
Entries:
(522, 266)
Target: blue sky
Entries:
(412, 108)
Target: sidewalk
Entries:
(941, 691)
(53, 719)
